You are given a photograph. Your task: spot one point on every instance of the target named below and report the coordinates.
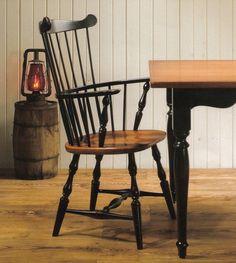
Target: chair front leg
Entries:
(95, 182)
(164, 183)
(136, 206)
(64, 200)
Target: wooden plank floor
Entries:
(28, 209)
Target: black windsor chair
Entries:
(85, 120)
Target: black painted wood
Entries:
(82, 104)
(99, 214)
(103, 121)
(136, 206)
(181, 167)
(170, 141)
(141, 105)
(57, 26)
(116, 202)
(95, 182)
(64, 201)
(182, 101)
(181, 128)
(164, 184)
(123, 191)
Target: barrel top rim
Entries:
(37, 106)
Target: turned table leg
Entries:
(181, 169)
(181, 127)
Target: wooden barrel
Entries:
(36, 140)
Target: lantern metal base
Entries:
(36, 98)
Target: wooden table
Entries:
(189, 84)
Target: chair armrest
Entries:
(68, 95)
(108, 83)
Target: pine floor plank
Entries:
(28, 210)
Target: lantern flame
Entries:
(36, 82)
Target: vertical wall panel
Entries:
(145, 54)
(26, 25)
(226, 47)
(173, 34)
(133, 38)
(93, 7)
(26, 29)
(133, 67)
(186, 29)
(12, 71)
(39, 12)
(105, 62)
(52, 8)
(3, 85)
(119, 65)
(79, 10)
(200, 29)
(199, 124)
(160, 52)
(213, 52)
(187, 51)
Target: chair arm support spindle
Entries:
(103, 120)
(141, 105)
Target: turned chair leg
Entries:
(95, 182)
(136, 206)
(164, 183)
(64, 200)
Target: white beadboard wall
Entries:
(128, 34)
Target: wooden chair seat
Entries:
(119, 142)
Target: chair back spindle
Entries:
(124, 106)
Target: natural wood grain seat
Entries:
(119, 142)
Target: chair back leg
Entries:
(164, 183)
